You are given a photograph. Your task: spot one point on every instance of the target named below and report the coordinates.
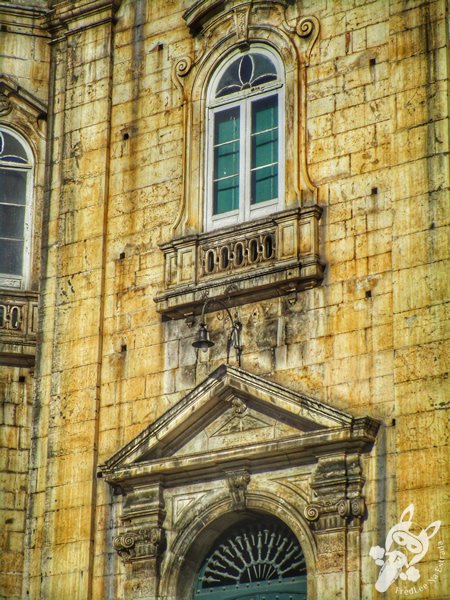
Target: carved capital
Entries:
(237, 484)
(124, 545)
(337, 484)
(140, 543)
(331, 516)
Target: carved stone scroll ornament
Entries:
(142, 543)
(180, 70)
(5, 105)
(306, 27)
(237, 484)
(330, 516)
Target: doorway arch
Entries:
(254, 559)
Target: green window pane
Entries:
(11, 257)
(226, 195)
(226, 125)
(265, 114)
(265, 148)
(226, 160)
(11, 221)
(264, 184)
(13, 186)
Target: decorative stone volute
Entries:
(140, 544)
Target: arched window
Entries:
(254, 559)
(16, 182)
(245, 145)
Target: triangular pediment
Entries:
(231, 415)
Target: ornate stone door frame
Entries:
(239, 443)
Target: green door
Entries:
(255, 560)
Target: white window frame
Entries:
(244, 99)
(22, 281)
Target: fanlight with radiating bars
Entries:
(264, 557)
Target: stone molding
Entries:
(325, 431)
(20, 19)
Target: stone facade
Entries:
(125, 452)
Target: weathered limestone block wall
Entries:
(16, 400)
(367, 341)
(24, 61)
(62, 512)
(377, 143)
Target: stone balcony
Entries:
(18, 327)
(268, 257)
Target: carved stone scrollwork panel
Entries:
(124, 545)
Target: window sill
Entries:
(268, 257)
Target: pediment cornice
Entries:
(11, 93)
(304, 427)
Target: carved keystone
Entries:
(237, 484)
